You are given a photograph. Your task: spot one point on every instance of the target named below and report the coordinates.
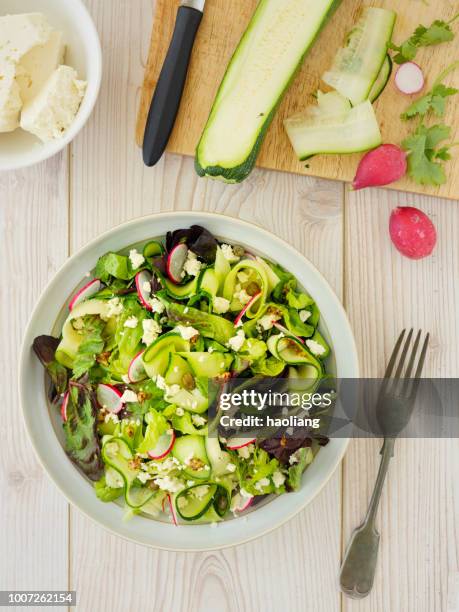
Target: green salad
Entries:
(130, 375)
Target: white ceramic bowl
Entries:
(45, 429)
(19, 149)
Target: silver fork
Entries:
(394, 407)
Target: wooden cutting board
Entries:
(221, 29)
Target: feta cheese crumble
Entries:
(198, 420)
(114, 307)
(228, 253)
(131, 322)
(136, 258)
(157, 305)
(220, 305)
(267, 321)
(242, 296)
(151, 330)
(278, 479)
(192, 265)
(315, 347)
(235, 343)
(231, 467)
(187, 332)
(129, 397)
(304, 315)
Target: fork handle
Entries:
(359, 565)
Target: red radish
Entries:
(249, 304)
(65, 403)
(385, 164)
(285, 331)
(176, 262)
(409, 78)
(412, 232)
(136, 371)
(109, 397)
(235, 443)
(85, 292)
(164, 446)
(248, 255)
(168, 498)
(142, 279)
(239, 503)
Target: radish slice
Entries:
(249, 304)
(65, 403)
(176, 262)
(412, 232)
(164, 446)
(85, 293)
(248, 255)
(382, 166)
(239, 503)
(136, 371)
(285, 331)
(409, 78)
(109, 397)
(142, 279)
(235, 443)
(171, 509)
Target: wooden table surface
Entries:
(48, 212)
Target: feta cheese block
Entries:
(53, 110)
(10, 100)
(36, 66)
(21, 33)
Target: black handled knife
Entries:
(168, 94)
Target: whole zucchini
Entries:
(264, 64)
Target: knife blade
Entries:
(169, 89)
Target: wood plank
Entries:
(420, 506)
(33, 245)
(220, 32)
(297, 564)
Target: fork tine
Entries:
(413, 355)
(417, 376)
(393, 357)
(403, 355)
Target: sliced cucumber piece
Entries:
(383, 78)
(192, 503)
(156, 356)
(181, 292)
(293, 352)
(273, 279)
(193, 401)
(118, 455)
(153, 249)
(209, 365)
(302, 378)
(261, 280)
(176, 370)
(219, 459)
(357, 65)
(274, 45)
(222, 269)
(316, 132)
(190, 450)
(208, 282)
(272, 344)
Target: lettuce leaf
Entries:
(81, 440)
(295, 472)
(156, 426)
(45, 349)
(106, 493)
(91, 347)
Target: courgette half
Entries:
(357, 65)
(193, 503)
(274, 45)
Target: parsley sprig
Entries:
(425, 153)
(424, 36)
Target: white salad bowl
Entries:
(45, 430)
(20, 149)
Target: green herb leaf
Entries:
(91, 347)
(423, 166)
(434, 100)
(438, 32)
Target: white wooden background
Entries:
(49, 211)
